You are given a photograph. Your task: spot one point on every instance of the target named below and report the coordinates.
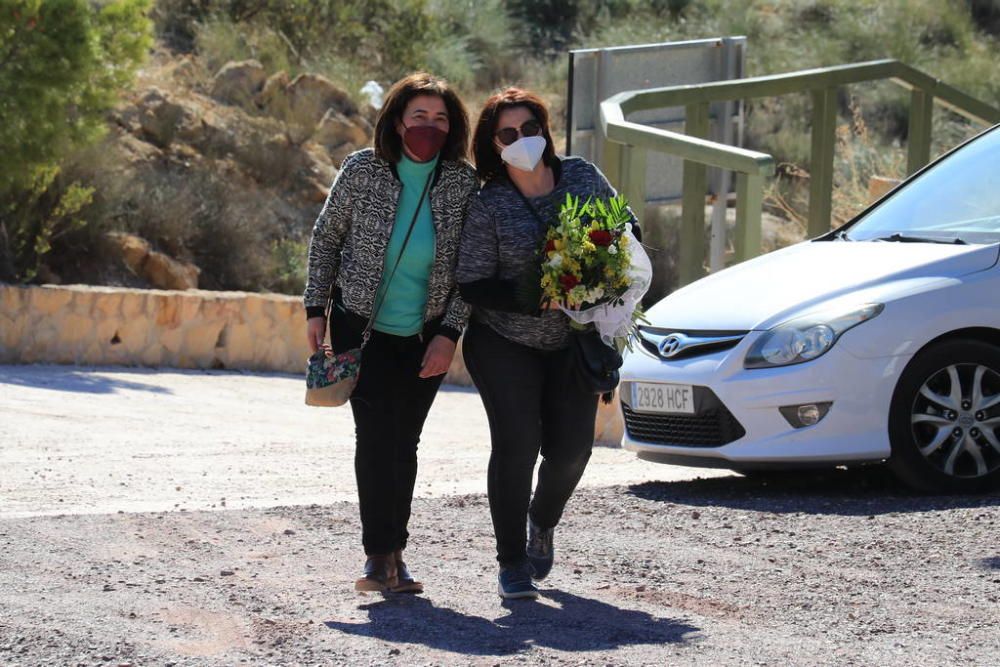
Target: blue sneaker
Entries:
(539, 550)
(514, 582)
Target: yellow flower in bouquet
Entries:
(586, 257)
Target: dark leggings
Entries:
(533, 404)
(390, 405)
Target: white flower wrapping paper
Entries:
(615, 321)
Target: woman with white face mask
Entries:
(382, 257)
(516, 352)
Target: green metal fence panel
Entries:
(749, 200)
(619, 130)
(752, 167)
(633, 175)
(824, 139)
(947, 96)
(762, 86)
(611, 162)
(918, 138)
(692, 248)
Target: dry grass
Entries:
(859, 156)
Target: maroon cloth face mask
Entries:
(424, 141)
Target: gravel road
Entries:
(79, 440)
(655, 565)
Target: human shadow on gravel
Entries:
(866, 491)
(76, 380)
(572, 626)
(991, 563)
(578, 624)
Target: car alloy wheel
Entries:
(944, 423)
(954, 420)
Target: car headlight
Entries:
(806, 338)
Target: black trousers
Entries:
(533, 405)
(390, 404)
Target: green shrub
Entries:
(199, 216)
(472, 43)
(288, 257)
(548, 27)
(64, 62)
(176, 21)
(219, 40)
(986, 15)
(36, 215)
(63, 65)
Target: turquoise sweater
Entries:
(402, 311)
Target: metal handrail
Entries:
(626, 143)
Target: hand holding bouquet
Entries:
(593, 267)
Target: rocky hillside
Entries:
(233, 154)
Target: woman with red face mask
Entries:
(386, 243)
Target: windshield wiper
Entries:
(841, 236)
(902, 238)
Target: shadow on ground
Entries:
(457, 389)
(865, 491)
(991, 563)
(576, 624)
(74, 379)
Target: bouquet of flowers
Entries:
(593, 267)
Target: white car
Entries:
(878, 342)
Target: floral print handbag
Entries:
(331, 378)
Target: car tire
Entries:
(944, 426)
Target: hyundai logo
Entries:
(672, 345)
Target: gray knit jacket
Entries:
(502, 243)
(352, 232)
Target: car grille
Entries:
(687, 343)
(713, 426)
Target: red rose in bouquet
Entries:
(568, 281)
(601, 237)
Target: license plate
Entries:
(668, 398)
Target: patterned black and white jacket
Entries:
(351, 234)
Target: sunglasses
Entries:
(529, 128)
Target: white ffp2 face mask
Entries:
(524, 153)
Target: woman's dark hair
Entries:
(388, 143)
(488, 162)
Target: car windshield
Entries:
(956, 201)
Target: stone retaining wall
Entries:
(99, 326)
(181, 329)
(102, 326)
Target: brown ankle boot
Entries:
(406, 583)
(380, 574)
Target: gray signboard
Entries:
(597, 74)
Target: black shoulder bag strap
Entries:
(543, 228)
(413, 221)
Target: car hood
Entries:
(767, 290)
